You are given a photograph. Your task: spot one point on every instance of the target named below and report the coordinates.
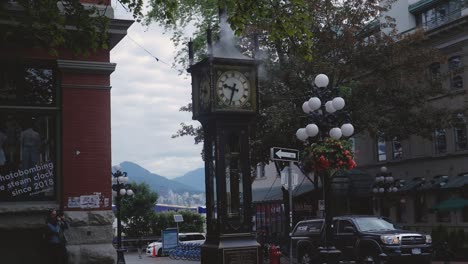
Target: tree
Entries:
(137, 212)
(379, 72)
(193, 222)
(53, 24)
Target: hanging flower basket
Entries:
(330, 156)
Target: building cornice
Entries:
(86, 66)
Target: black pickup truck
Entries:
(365, 239)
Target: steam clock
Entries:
(224, 100)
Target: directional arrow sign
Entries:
(284, 154)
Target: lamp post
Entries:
(325, 118)
(119, 190)
(384, 183)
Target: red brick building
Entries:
(55, 149)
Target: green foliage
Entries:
(193, 222)
(382, 77)
(138, 211)
(54, 25)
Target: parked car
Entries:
(366, 239)
(184, 238)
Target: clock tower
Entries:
(224, 100)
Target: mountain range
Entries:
(191, 182)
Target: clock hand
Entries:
(233, 89)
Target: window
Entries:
(440, 141)
(442, 216)
(420, 210)
(342, 226)
(260, 170)
(28, 132)
(464, 195)
(440, 14)
(434, 71)
(397, 149)
(457, 82)
(381, 152)
(459, 131)
(455, 63)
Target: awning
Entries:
(436, 183)
(275, 193)
(413, 184)
(456, 182)
(451, 204)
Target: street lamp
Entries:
(384, 183)
(120, 188)
(323, 110)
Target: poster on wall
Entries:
(27, 169)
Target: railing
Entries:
(439, 21)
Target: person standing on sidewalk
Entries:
(140, 247)
(55, 237)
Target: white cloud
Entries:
(146, 96)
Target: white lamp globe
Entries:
(383, 169)
(114, 193)
(395, 189)
(390, 179)
(335, 133)
(338, 103)
(117, 167)
(123, 191)
(125, 179)
(129, 192)
(321, 80)
(314, 103)
(375, 190)
(301, 134)
(329, 107)
(347, 129)
(114, 180)
(312, 130)
(120, 179)
(381, 190)
(306, 108)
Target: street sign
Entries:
(178, 218)
(284, 154)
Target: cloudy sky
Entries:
(146, 97)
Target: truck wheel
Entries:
(307, 255)
(305, 258)
(370, 258)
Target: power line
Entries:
(147, 51)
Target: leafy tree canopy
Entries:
(382, 76)
(138, 211)
(53, 24)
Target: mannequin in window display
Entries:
(11, 146)
(30, 141)
(3, 138)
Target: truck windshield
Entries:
(373, 224)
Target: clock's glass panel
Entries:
(211, 195)
(234, 191)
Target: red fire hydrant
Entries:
(275, 255)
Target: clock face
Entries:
(204, 92)
(233, 88)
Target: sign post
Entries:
(291, 155)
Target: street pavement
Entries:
(132, 258)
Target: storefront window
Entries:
(28, 133)
(440, 141)
(397, 149)
(381, 148)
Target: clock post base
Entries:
(231, 249)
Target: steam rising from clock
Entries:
(226, 46)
